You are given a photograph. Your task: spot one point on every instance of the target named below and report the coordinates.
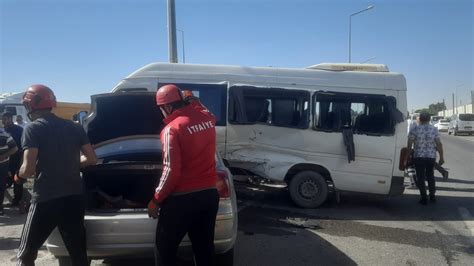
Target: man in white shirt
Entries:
(424, 140)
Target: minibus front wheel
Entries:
(308, 189)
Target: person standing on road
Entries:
(15, 160)
(52, 156)
(7, 148)
(424, 140)
(186, 197)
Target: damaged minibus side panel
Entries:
(265, 128)
(270, 130)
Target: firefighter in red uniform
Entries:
(186, 197)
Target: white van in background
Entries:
(461, 124)
(287, 124)
(12, 103)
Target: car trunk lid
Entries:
(116, 115)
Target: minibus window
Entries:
(269, 106)
(11, 109)
(365, 114)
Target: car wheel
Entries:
(225, 259)
(308, 189)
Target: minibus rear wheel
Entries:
(308, 189)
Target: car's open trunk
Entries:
(118, 186)
(124, 129)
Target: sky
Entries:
(85, 47)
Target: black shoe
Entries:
(423, 202)
(15, 203)
(432, 199)
(1, 211)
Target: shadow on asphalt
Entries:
(354, 206)
(255, 220)
(450, 180)
(12, 217)
(9, 243)
(287, 230)
(454, 189)
(140, 262)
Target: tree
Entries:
(425, 110)
(437, 107)
(433, 109)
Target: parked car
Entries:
(461, 124)
(442, 125)
(119, 187)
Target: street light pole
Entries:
(172, 53)
(457, 102)
(350, 27)
(182, 44)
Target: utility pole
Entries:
(172, 50)
(454, 107)
(444, 108)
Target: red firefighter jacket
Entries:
(189, 148)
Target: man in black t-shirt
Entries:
(52, 148)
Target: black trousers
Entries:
(14, 167)
(194, 214)
(3, 180)
(425, 171)
(66, 213)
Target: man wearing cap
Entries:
(52, 157)
(186, 196)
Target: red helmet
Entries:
(39, 97)
(168, 94)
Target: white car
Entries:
(124, 128)
(435, 119)
(442, 125)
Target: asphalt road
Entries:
(360, 229)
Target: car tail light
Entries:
(222, 184)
